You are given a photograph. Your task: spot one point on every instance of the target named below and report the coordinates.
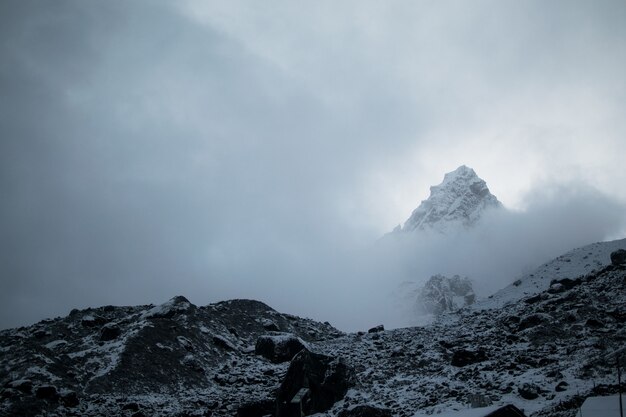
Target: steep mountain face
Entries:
(542, 351)
(460, 200)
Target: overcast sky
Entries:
(252, 149)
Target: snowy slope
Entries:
(539, 347)
(460, 200)
(543, 357)
(573, 264)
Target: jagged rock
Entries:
(560, 285)
(464, 357)
(91, 320)
(224, 343)
(561, 386)
(131, 406)
(441, 294)
(529, 391)
(70, 399)
(41, 334)
(22, 385)
(47, 392)
(327, 379)
(270, 325)
(257, 408)
(376, 329)
(593, 323)
(7, 393)
(110, 331)
(174, 307)
(278, 347)
(533, 320)
(365, 411)
(618, 257)
(532, 300)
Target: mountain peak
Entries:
(460, 174)
(461, 198)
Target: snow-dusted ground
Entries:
(573, 264)
(538, 347)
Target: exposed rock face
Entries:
(464, 357)
(326, 378)
(257, 408)
(278, 347)
(441, 294)
(376, 329)
(461, 199)
(618, 257)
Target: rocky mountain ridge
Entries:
(460, 200)
(542, 352)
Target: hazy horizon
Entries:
(223, 150)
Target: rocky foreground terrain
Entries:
(543, 352)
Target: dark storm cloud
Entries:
(139, 148)
(145, 153)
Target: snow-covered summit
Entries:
(460, 199)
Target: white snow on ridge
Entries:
(573, 264)
(175, 304)
(460, 200)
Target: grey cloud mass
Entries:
(238, 150)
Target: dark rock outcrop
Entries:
(70, 399)
(376, 329)
(533, 320)
(278, 347)
(110, 332)
(618, 257)
(326, 378)
(529, 391)
(464, 357)
(257, 408)
(47, 392)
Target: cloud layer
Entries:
(223, 150)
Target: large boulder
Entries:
(110, 331)
(464, 357)
(618, 257)
(377, 329)
(318, 380)
(176, 306)
(534, 320)
(257, 408)
(279, 347)
(47, 392)
(529, 391)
